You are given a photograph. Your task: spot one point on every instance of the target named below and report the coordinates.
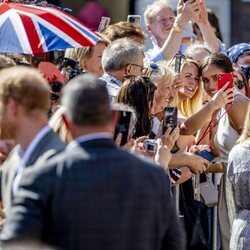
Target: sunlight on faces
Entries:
(209, 78)
(93, 64)
(190, 80)
(161, 22)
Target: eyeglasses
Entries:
(136, 65)
(239, 84)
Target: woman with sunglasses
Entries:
(240, 81)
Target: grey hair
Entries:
(86, 101)
(150, 8)
(120, 53)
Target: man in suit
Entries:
(24, 101)
(93, 195)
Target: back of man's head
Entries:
(119, 53)
(26, 86)
(86, 101)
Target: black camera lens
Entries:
(56, 86)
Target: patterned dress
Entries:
(239, 175)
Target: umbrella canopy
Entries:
(31, 29)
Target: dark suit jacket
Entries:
(49, 146)
(95, 196)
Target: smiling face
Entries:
(162, 20)
(209, 78)
(190, 76)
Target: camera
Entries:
(150, 145)
(72, 67)
(56, 88)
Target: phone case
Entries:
(222, 79)
(170, 119)
(121, 123)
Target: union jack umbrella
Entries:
(32, 29)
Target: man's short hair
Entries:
(86, 101)
(120, 53)
(26, 86)
(148, 11)
(124, 29)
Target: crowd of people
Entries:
(71, 180)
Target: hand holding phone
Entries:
(122, 124)
(169, 119)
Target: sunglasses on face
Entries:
(239, 84)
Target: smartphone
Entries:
(134, 19)
(177, 65)
(105, 21)
(169, 119)
(207, 155)
(121, 124)
(223, 78)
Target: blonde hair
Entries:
(81, 53)
(190, 106)
(246, 131)
(26, 86)
(57, 123)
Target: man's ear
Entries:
(149, 29)
(128, 70)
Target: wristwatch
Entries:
(177, 28)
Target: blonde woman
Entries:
(190, 95)
(89, 58)
(239, 175)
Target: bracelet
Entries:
(177, 28)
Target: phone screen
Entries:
(223, 78)
(121, 122)
(104, 23)
(170, 119)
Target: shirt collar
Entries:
(111, 79)
(25, 155)
(90, 137)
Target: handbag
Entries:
(209, 193)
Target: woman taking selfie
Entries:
(230, 120)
